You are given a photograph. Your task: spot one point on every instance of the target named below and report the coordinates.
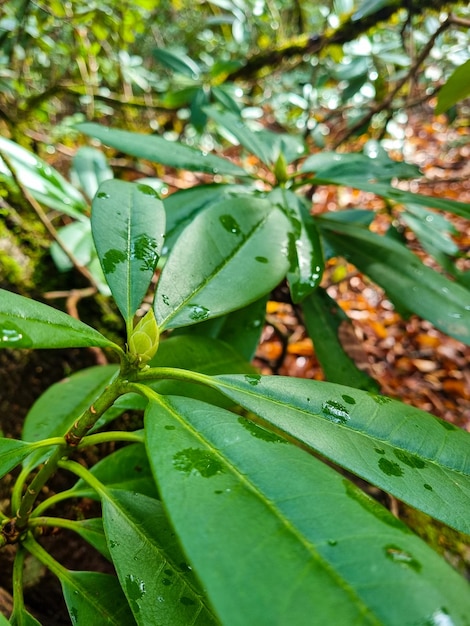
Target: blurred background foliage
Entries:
(326, 70)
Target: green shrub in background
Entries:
(221, 509)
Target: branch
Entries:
(266, 62)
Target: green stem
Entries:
(55, 499)
(92, 440)
(84, 474)
(18, 598)
(157, 373)
(44, 557)
(72, 438)
(54, 522)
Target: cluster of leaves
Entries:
(218, 512)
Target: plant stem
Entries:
(73, 437)
(92, 440)
(18, 599)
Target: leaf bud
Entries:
(144, 339)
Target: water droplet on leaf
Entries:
(335, 411)
(198, 461)
(400, 556)
(102, 195)
(253, 379)
(199, 313)
(230, 224)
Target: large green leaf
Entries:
(357, 166)
(323, 318)
(76, 237)
(340, 176)
(92, 531)
(456, 88)
(182, 206)
(160, 150)
(305, 251)
(55, 411)
(94, 598)
(44, 182)
(152, 569)
(127, 468)
(407, 281)
(128, 226)
(407, 452)
(229, 256)
(25, 323)
(278, 537)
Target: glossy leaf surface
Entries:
(456, 88)
(152, 569)
(305, 253)
(239, 261)
(277, 537)
(76, 237)
(94, 598)
(154, 148)
(128, 226)
(90, 168)
(25, 323)
(180, 63)
(406, 280)
(407, 452)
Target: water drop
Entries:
(335, 411)
(135, 589)
(261, 259)
(198, 313)
(166, 300)
(428, 487)
(10, 335)
(390, 467)
(456, 316)
(348, 399)
(332, 542)
(102, 195)
(187, 601)
(400, 556)
(198, 461)
(253, 379)
(230, 224)
(147, 190)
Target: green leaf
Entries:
(349, 168)
(198, 115)
(76, 237)
(265, 145)
(278, 537)
(323, 318)
(225, 95)
(179, 63)
(55, 411)
(90, 168)
(160, 150)
(229, 256)
(433, 230)
(406, 280)
(152, 569)
(127, 468)
(44, 182)
(338, 177)
(92, 531)
(12, 453)
(409, 453)
(25, 323)
(182, 206)
(94, 598)
(304, 252)
(456, 88)
(128, 226)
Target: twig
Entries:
(386, 102)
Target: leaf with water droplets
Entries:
(256, 513)
(394, 446)
(128, 223)
(213, 269)
(25, 323)
(149, 562)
